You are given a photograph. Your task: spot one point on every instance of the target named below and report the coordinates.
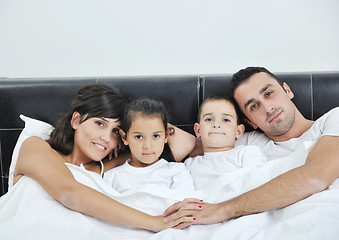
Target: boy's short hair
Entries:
(217, 97)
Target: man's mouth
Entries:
(275, 117)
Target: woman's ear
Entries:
(123, 136)
(75, 121)
(197, 129)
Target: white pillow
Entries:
(32, 127)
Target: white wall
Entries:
(45, 38)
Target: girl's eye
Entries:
(116, 131)
(138, 137)
(156, 136)
(99, 123)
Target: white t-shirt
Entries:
(169, 175)
(327, 125)
(212, 165)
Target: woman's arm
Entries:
(39, 161)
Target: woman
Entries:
(84, 136)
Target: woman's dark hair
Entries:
(147, 107)
(93, 100)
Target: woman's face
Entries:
(95, 138)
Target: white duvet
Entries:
(28, 212)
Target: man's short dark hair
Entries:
(244, 74)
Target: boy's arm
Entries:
(181, 143)
(319, 171)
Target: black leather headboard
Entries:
(44, 98)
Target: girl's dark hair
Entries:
(93, 100)
(147, 107)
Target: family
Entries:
(100, 123)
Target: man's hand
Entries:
(200, 212)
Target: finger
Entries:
(172, 209)
(193, 200)
(116, 152)
(184, 222)
(191, 206)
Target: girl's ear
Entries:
(75, 121)
(240, 131)
(197, 129)
(123, 136)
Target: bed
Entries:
(43, 98)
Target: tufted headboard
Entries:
(44, 98)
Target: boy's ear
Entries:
(197, 129)
(123, 136)
(240, 131)
(75, 120)
(246, 120)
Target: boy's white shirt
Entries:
(212, 165)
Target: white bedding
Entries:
(28, 212)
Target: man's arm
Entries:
(319, 171)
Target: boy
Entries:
(218, 127)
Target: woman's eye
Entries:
(116, 131)
(99, 123)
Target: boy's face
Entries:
(218, 127)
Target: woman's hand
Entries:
(201, 213)
(158, 224)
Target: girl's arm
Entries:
(40, 162)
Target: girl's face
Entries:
(94, 138)
(146, 139)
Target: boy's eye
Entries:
(269, 94)
(226, 120)
(116, 131)
(208, 119)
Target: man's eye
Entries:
(268, 94)
(254, 106)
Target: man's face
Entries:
(266, 104)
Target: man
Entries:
(267, 104)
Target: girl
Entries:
(145, 131)
(83, 137)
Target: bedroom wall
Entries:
(74, 38)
